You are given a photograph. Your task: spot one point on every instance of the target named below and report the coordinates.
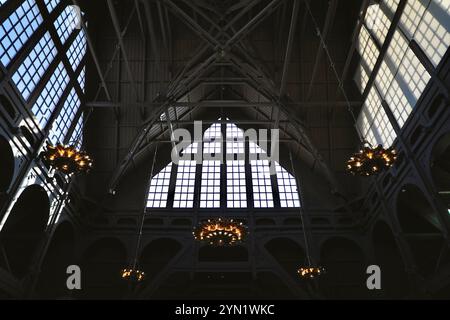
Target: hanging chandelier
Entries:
(371, 161)
(132, 274)
(310, 272)
(220, 232)
(66, 159)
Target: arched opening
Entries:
(288, 253)
(7, 168)
(440, 168)
(52, 279)
(101, 265)
(24, 228)
(346, 269)
(157, 254)
(222, 254)
(395, 283)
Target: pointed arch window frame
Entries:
(224, 190)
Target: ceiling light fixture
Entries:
(220, 232)
(66, 159)
(133, 275)
(371, 161)
(310, 272)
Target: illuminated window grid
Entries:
(433, 34)
(367, 116)
(410, 81)
(2, 2)
(17, 29)
(262, 186)
(210, 188)
(391, 5)
(384, 78)
(34, 66)
(412, 15)
(372, 103)
(82, 78)
(50, 95)
(184, 185)
(66, 23)
(235, 139)
(414, 76)
(363, 37)
(398, 103)
(361, 77)
(51, 4)
(370, 54)
(214, 131)
(77, 50)
(287, 188)
(65, 118)
(383, 130)
(364, 125)
(377, 21)
(254, 148)
(236, 190)
(212, 139)
(191, 149)
(159, 188)
(77, 134)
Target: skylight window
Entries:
(402, 77)
(191, 149)
(159, 188)
(236, 190)
(210, 190)
(235, 139)
(77, 50)
(17, 29)
(224, 183)
(287, 188)
(65, 117)
(77, 134)
(184, 186)
(50, 95)
(51, 4)
(34, 66)
(262, 186)
(67, 21)
(82, 78)
(212, 138)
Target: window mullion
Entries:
(173, 180)
(248, 175)
(223, 173)
(273, 180)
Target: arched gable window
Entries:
(237, 182)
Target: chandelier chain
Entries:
(141, 224)
(305, 238)
(333, 67)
